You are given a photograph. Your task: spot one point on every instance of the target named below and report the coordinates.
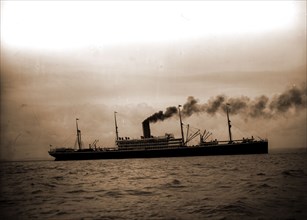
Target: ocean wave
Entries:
(264, 185)
(232, 187)
(47, 184)
(58, 177)
(139, 192)
(294, 173)
(236, 208)
(175, 183)
(114, 194)
(77, 191)
(36, 192)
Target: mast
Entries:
(181, 125)
(187, 136)
(78, 135)
(116, 128)
(229, 125)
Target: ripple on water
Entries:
(139, 192)
(234, 187)
(76, 191)
(113, 194)
(173, 184)
(238, 207)
(293, 173)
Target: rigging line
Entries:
(240, 130)
(193, 129)
(69, 137)
(236, 132)
(218, 133)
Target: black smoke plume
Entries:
(191, 106)
(214, 104)
(258, 106)
(293, 98)
(160, 116)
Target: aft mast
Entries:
(78, 135)
(181, 124)
(116, 128)
(229, 125)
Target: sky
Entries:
(62, 60)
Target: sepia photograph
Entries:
(153, 109)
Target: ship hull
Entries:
(260, 147)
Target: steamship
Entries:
(164, 146)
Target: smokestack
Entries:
(146, 129)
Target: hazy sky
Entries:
(63, 60)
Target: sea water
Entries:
(272, 186)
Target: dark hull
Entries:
(220, 149)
